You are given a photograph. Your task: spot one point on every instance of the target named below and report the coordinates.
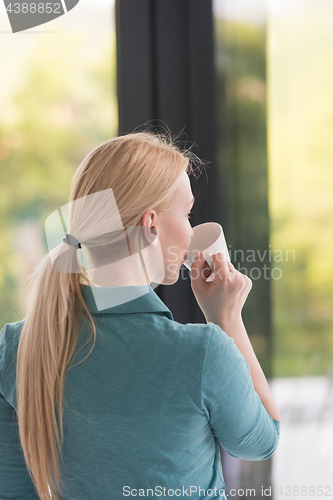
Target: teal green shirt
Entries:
(144, 412)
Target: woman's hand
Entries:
(224, 297)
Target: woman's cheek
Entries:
(172, 254)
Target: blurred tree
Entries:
(242, 162)
(300, 119)
(65, 106)
(300, 178)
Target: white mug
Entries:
(209, 239)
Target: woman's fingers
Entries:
(224, 272)
(220, 266)
(199, 271)
(227, 291)
(231, 267)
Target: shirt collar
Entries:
(124, 300)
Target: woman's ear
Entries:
(149, 231)
(150, 235)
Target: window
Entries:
(58, 101)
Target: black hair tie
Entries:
(71, 240)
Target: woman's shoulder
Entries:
(201, 335)
(211, 343)
(201, 330)
(9, 340)
(10, 335)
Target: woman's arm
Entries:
(221, 302)
(234, 410)
(235, 328)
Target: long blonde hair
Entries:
(143, 170)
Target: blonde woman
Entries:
(119, 400)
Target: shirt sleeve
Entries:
(15, 481)
(235, 412)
